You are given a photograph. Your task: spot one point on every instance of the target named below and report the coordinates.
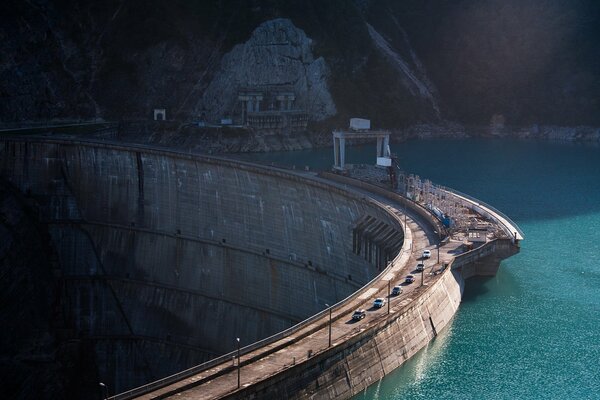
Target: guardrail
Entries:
(37, 128)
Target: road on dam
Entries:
(222, 380)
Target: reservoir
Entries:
(533, 330)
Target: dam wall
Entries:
(349, 367)
(166, 258)
(361, 360)
(426, 215)
(370, 351)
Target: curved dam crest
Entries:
(161, 259)
(164, 259)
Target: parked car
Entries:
(359, 314)
(396, 290)
(379, 302)
(420, 267)
(409, 279)
(426, 254)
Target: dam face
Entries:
(164, 259)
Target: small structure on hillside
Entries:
(361, 129)
(160, 114)
(271, 107)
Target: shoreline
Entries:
(232, 140)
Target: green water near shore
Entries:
(533, 330)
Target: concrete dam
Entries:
(160, 260)
(165, 259)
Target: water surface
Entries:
(533, 330)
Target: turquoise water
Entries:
(533, 330)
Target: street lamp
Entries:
(329, 323)
(389, 296)
(238, 357)
(439, 243)
(104, 390)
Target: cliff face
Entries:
(277, 54)
(398, 63)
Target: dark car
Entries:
(359, 314)
(396, 290)
(420, 267)
(409, 279)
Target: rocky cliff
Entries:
(277, 54)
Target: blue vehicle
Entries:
(379, 302)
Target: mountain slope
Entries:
(398, 63)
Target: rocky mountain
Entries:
(398, 63)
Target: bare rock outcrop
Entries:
(277, 54)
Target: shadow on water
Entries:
(504, 284)
(476, 287)
(527, 180)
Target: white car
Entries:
(426, 254)
(379, 302)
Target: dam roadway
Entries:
(256, 366)
(148, 193)
(243, 376)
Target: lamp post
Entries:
(238, 357)
(389, 296)
(329, 323)
(104, 390)
(439, 243)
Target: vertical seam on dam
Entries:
(140, 200)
